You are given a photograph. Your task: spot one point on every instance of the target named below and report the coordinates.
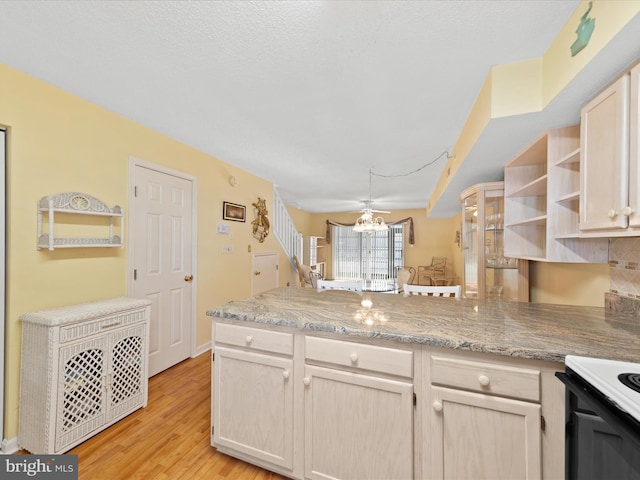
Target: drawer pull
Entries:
(612, 213)
(628, 211)
(354, 357)
(285, 374)
(110, 325)
(249, 339)
(437, 406)
(484, 380)
(306, 381)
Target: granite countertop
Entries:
(526, 330)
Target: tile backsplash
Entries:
(624, 261)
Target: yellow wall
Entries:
(569, 283)
(559, 67)
(58, 142)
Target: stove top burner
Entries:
(631, 380)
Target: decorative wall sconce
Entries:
(233, 181)
(458, 238)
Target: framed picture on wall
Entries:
(233, 212)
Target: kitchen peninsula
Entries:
(314, 384)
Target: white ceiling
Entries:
(306, 94)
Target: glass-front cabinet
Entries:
(487, 272)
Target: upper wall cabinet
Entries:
(609, 173)
(542, 200)
(72, 220)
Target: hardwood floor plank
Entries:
(167, 440)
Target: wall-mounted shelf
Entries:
(542, 202)
(74, 203)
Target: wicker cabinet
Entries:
(84, 367)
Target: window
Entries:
(375, 256)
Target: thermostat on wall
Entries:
(223, 229)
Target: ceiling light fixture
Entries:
(367, 223)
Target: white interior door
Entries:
(264, 272)
(161, 260)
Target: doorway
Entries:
(162, 258)
(264, 272)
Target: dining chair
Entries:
(453, 291)
(352, 285)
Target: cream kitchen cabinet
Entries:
(351, 407)
(492, 415)
(610, 175)
(308, 406)
(252, 394)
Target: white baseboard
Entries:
(205, 347)
(10, 446)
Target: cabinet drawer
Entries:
(358, 355)
(254, 338)
(516, 382)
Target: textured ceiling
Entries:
(306, 94)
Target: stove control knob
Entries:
(484, 380)
(437, 406)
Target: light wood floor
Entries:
(169, 439)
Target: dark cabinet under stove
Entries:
(602, 443)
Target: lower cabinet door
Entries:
(357, 426)
(253, 405)
(484, 437)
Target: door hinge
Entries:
(277, 267)
(212, 428)
(135, 191)
(543, 423)
(415, 400)
(135, 273)
(213, 357)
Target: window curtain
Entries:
(408, 220)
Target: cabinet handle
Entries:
(612, 213)
(484, 380)
(285, 375)
(306, 381)
(354, 357)
(628, 211)
(437, 406)
(110, 325)
(249, 339)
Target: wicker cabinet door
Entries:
(81, 405)
(125, 379)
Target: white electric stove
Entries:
(618, 381)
